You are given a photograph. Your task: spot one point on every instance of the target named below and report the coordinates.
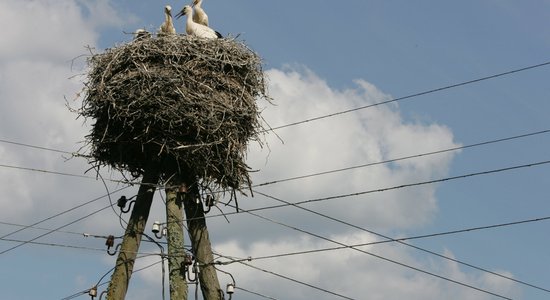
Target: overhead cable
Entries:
(78, 294)
(407, 185)
(61, 213)
(58, 228)
(401, 241)
(413, 95)
(35, 147)
(311, 174)
(385, 189)
(297, 281)
(254, 293)
(374, 255)
(405, 157)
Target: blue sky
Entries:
(320, 59)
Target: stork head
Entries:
(141, 34)
(168, 10)
(186, 10)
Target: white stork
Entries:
(199, 16)
(167, 28)
(141, 34)
(194, 28)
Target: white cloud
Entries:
(40, 66)
(352, 273)
(43, 30)
(367, 136)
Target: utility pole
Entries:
(200, 240)
(176, 252)
(132, 237)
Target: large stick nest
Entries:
(186, 104)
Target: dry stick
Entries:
(200, 240)
(132, 237)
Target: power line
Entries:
(420, 155)
(58, 245)
(84, 234)
(470, 229)
(241, 261)
(76, 175)
(402, 186)
(407, 185)
(78, 294)
(347, 246)
(61, 213)
(301, 176)
(360, 107)
(58, 228)
(406, 157)
(63, 174)
(37, 147)
(373, 255)
(286, 277)
(394, 160)
(46, 171)
(359, 193)
(46, 229)
(413, 95)
(297, 281)
(51, 244)
(385, 189)
(401, 241)
(254, 293)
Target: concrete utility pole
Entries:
(176, 252)
(200, 240)
(132, 237)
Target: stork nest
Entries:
(183, 103)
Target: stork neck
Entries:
(190, 22)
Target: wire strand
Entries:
(380, 190)
(296, 281)
(51, 244)
(84, 234)
(35, 147)
(401, 241)
(78, 294)
(61, 213)
(406, 157)
(376, 256)
(254, 293)
(407, 185)
(306, 175)
(46, 229)
(49, 232)
(412, 95)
